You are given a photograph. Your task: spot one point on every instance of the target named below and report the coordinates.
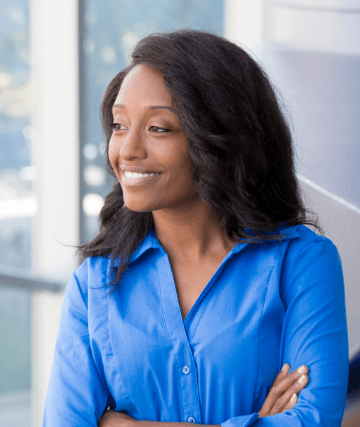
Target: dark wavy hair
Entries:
(238, 138)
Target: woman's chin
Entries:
(138, 207)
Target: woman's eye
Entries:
(158, 130)
(117, 126)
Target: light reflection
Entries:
(90, 18)
(16, 101)
(16, 109)
(90, 151)
(129, 40)
(94, 176)
(16, 14)
(28, 173)
(88, 46)
(12, 208)
(109, 55)
(29, 132)
(92, 204)
(5, 79)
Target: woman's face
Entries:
(148, 149)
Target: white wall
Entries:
(316, 26)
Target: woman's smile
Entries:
(133, 179)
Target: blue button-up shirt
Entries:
(268, 303)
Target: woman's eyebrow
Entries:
(151, 107)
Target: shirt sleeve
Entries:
(76, 395)
(314, 333)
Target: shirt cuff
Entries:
(241, 421)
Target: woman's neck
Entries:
(191, 231)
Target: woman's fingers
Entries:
(283, 388)
(282, 374)
(293, 400)
(300, 382)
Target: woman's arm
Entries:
(282, 397)
(76, 394)
(314, 333)
(278, 400)
(119, 419)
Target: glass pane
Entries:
(17, 207)
(17, 202)
(111, 30)
(15, 365)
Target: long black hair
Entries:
(238, 138)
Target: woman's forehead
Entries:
(144, 84)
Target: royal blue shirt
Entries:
(269, 303)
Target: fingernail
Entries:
(293, 397)
(302, 369)
(301, 379)
(284, 366)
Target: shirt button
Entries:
(191, 420)
(186, 370)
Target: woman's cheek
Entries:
(113, 157)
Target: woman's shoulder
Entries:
(306, 239)
(92, 274)
(92, 268)
(311, 255)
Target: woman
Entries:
(203, 280)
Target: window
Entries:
(17, 206)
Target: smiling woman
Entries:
(203, 281)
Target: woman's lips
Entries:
(133, 179)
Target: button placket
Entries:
(182, 349)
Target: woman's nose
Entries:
(133, 146)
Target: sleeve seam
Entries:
(80, 290)
(261, 317)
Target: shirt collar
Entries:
(151, 242)
(282, 229)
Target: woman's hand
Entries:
(284, 391)
(116, 419)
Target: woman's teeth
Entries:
(139, 175)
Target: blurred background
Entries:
(56, 59)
